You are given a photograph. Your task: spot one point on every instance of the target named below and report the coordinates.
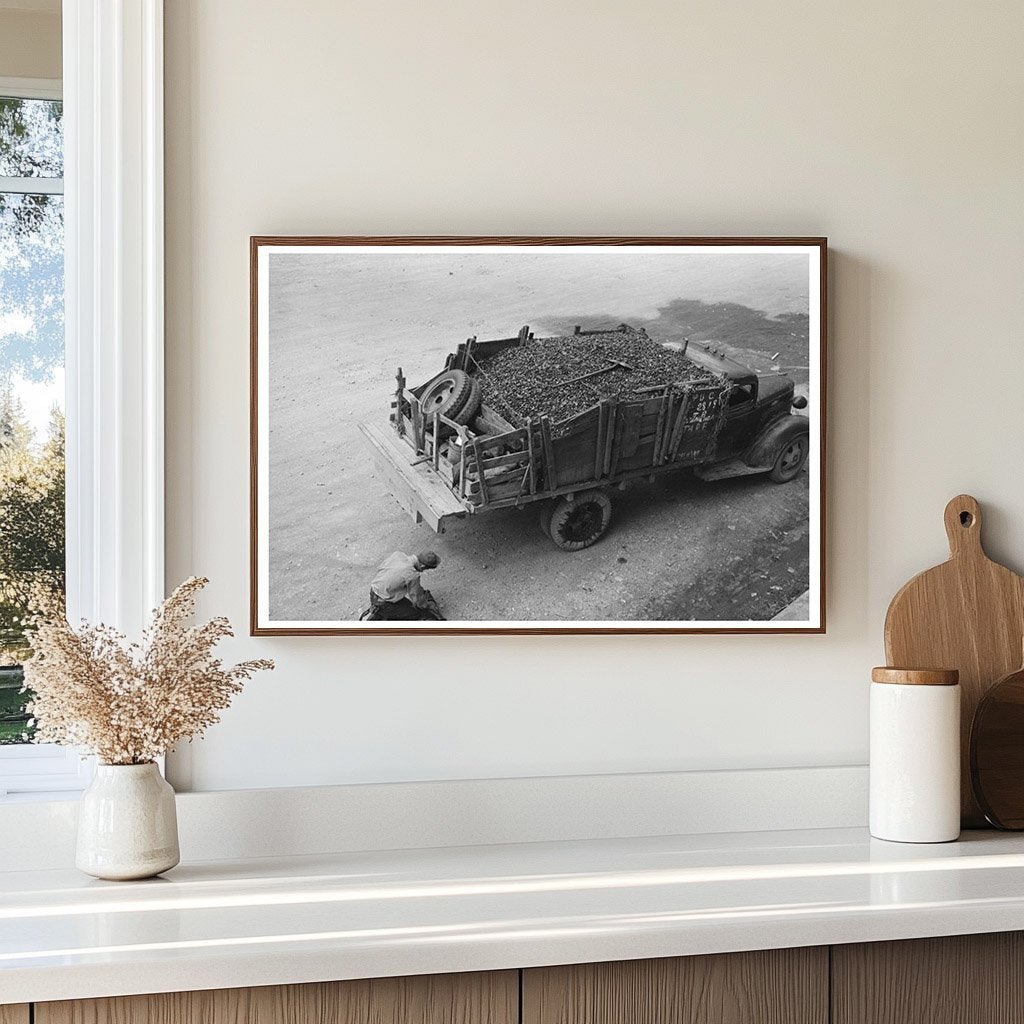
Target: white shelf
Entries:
(355, 915)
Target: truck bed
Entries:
(412, 480)
(439, 469)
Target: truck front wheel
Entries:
(574, 525)
(791, 458)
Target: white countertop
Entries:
(297, 919)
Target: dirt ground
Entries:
(678, 549)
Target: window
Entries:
(32, 531)
(31, 384)
(742, 395)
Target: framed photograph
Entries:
(537, 435)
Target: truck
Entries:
(451, 448)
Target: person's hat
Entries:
(428, 559)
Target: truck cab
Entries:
(759, 421)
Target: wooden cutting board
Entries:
(967, 614)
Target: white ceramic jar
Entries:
(127, 823)
(915, 755)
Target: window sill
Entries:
(41, 797)
(42, 771)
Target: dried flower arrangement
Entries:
(130, 703)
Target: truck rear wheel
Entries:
(791, 458)
(574, 525)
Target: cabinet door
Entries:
(14, 1014)
(778, 986)
(962, 979)
(490, 998)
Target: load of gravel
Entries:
(536, 378)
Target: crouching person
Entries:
(396, 592)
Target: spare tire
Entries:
(471, 407)
(446, 394)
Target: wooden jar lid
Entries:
(916, 676)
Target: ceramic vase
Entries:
(127, 825)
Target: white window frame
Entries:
(114, 324)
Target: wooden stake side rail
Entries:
(508, 490)
(531, 454)
(659, 433)
(547, 446)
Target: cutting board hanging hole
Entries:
(963, 526)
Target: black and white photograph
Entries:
(537, 435)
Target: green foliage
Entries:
(13, 719)
(31, 143)
(32, 571)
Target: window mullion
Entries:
(32, 186)
(113, 115)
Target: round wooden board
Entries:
(997, 752)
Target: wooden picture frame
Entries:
(363, 292)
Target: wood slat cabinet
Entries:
(961, 979)
(776, 986)
(481, 998)
(968, 979)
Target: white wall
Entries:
(895, 129)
